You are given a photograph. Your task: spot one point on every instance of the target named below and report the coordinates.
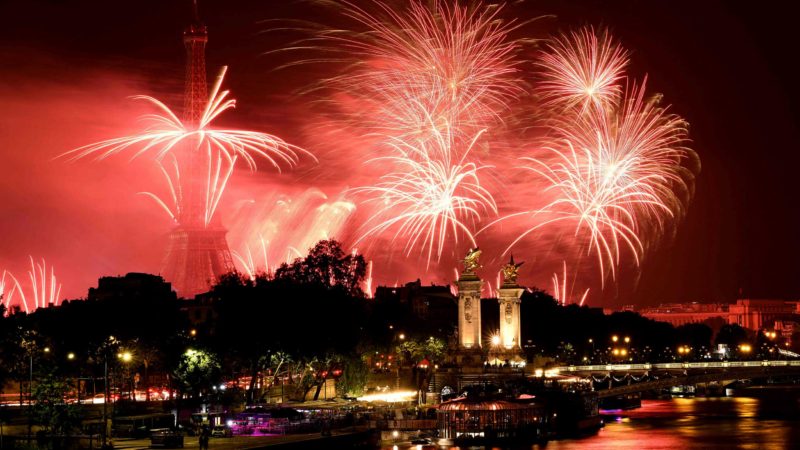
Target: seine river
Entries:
(764, 419)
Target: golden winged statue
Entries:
(471, 260)
(510, 271)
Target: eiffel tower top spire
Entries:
(196, 11)
(195, 37)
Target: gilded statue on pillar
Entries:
(511, 271)
(471, 260)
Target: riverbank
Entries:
(767, 418)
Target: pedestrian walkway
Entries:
(234, 443)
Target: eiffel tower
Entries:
(197, 252)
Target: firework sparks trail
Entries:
(6, 290)
(433, 195)
(278, 225)
(641, 145)
(617, 175)
(582, 69)
(165, 133)
(561, 292)
(368, 280)
(582, 197)
(417, 76)
(454, 284)
(454, 64)
(173, 180)
(45, 290)
(248, 263)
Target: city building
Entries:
(752, 314)
(132, 285)
(425, 302)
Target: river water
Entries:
(758, 419)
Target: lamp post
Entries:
(30, 389)
(684, 351)
(105, 348)
(401, 338)
(70, 358)
(126, 357)
(104, 430)
(629, 348)
(422, 368)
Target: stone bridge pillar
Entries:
(469, 311)
(510, 332)
(469, 351)
(508, 347)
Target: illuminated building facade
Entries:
(752, 314)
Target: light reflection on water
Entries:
(771, 421)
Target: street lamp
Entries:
(70, 358)
(745, 348)
(495, 340)
(105, 348)
(127, 357)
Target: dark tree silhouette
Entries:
(327, 265)
(696, 335)
(731, 335)
(312, 309)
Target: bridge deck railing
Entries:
(675, 365)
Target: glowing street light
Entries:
(745, 348)
(770, 334)
(614, 338)
(70, 356)
(495, 340)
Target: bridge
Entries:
(613, 380)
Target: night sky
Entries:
(67, 66)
